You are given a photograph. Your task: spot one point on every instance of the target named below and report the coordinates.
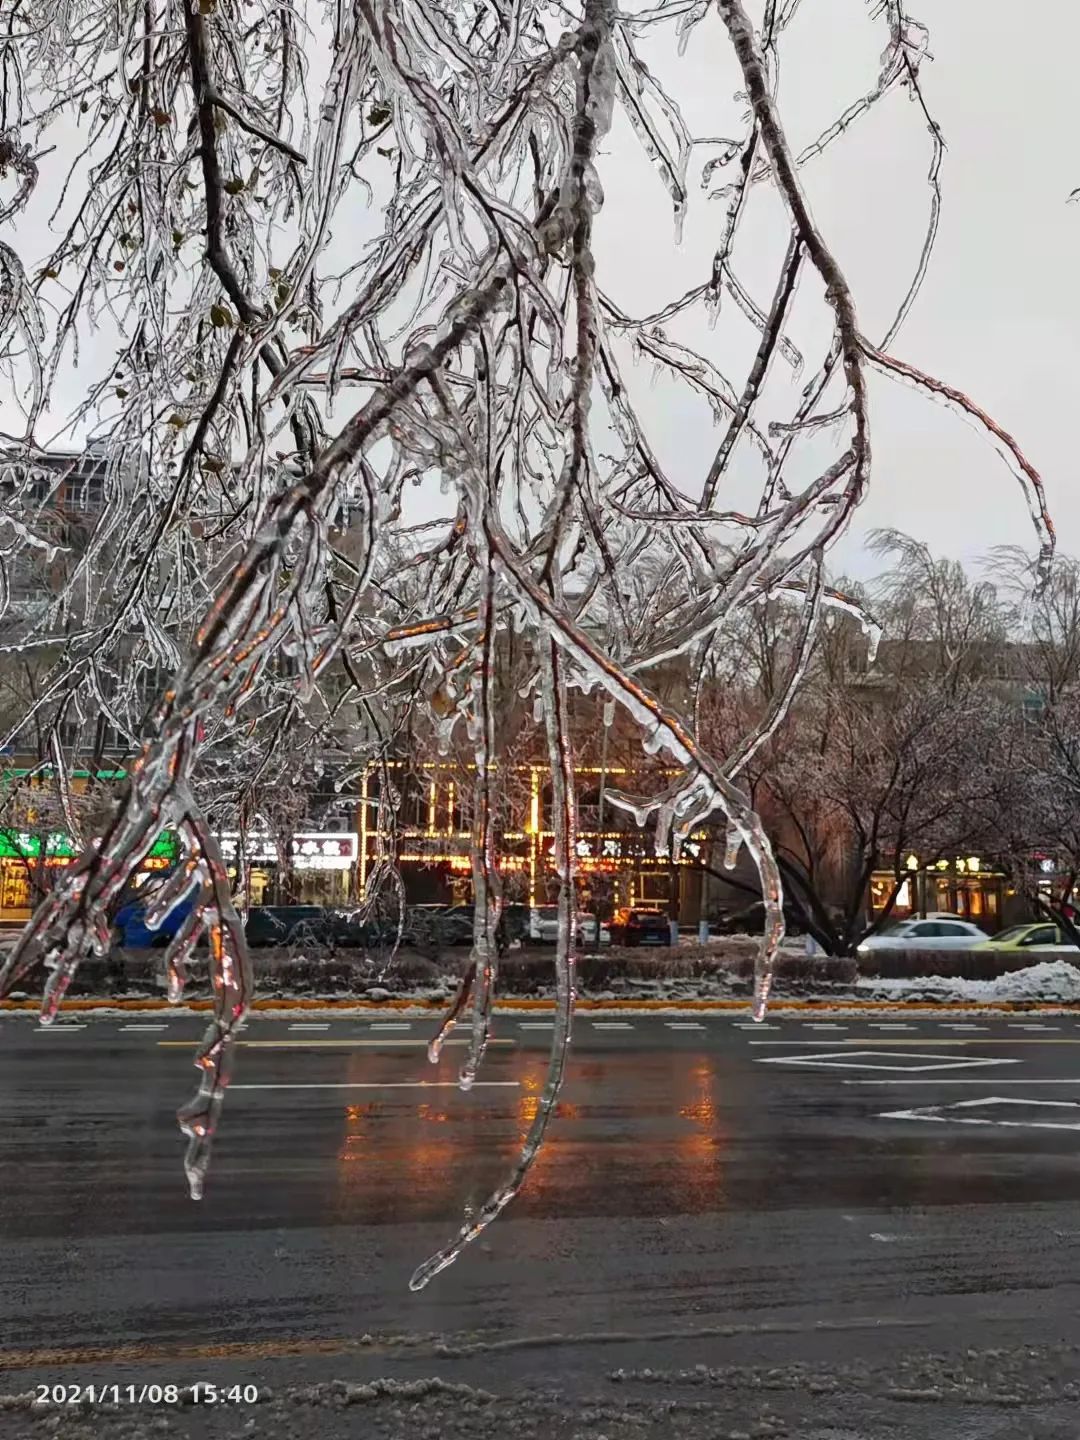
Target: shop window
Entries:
(14, 886)
(881, 888)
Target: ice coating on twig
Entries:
(563, 806)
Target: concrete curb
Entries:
(530, 1006)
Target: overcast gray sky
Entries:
(998, 314)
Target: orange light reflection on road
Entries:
(703, 1140)
(356, 1132)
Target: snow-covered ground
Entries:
(1054, 982)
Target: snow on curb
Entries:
(1053, 982)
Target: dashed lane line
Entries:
(683, 1025)
(383, 1085)
(317, 1042)
(611, 1025)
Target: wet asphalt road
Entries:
(856, 1226)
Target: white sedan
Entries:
(544, 926)
(936, 933)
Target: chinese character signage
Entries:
(309, 852)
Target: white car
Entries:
(544, 926)
(936, 932)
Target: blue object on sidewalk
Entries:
(137, 935)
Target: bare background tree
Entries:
(250, 541)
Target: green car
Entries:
(1040, 936)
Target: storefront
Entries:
(613, 869)
(963, 886)
(431, 844)
(30, 864)
(321, 868)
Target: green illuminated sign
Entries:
(24, 845)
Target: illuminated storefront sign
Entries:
(61, 849)
(336, 851)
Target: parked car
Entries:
(544, 926)
(750, 920)
(288, 924)
(587, 928)
(423, 928)
(516, 922)
(640, 927)
(134, 933)
(1039, 936)
(439, 926)
(937, 933)
(348, 929)
(459, 923)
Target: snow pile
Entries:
(1054, 981)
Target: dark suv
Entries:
(640, 927)
(287, 924)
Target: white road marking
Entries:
(683, 1025)
(874, 1025)
(981, 1028)
(943, 1114)
(988, 1080)
(393, 1025)
(1017, 1026)
(754, 1025)
(611, 1025)
(144, 1027)
(309, 1027)
(386, 1085)
(826, 1027)
(314, 1042)
(59, 1028)
(871, 1060)
(536, 1024)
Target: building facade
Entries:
(428, 836)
